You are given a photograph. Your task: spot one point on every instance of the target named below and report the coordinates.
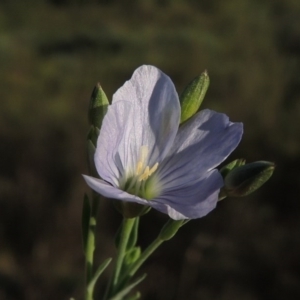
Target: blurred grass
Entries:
(51, 56)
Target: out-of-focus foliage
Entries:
(52, 53)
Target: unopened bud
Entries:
(246, 179)
(98, 106)
(193, 95)
(170, 229)
(232, 165)
(132, 255)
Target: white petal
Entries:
(111, 192)
(154, 118)
(107, 160)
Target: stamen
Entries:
(138, 182)
(139, 168)
(145, 175)
(142, 159)
(153, 169)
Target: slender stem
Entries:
(90, 248)
(127, 227)
(135, 266)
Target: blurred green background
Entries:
(53, 52)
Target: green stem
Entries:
(145, 255)
(90, 248)
(127, 227)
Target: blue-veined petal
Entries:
(201, 144)
(191, 201)
(107, 159)
(155, 115)
(109, 191)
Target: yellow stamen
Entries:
(143, 172)
(142, 160)
(145, 175)
(139, 168)
(153, 169)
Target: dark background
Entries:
(52, 53)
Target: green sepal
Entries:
(246, 179)
(93, 135)
(170, 229)
(133, 234)
(120, 295)
(85, 219)
(131, 210)
(193, 95)
(97, 274)
(90, 158)
(132, 255)
(98, 106)
(232, 165)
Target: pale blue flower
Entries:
(143, 156)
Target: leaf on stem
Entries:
(127, 289)
(97, 274)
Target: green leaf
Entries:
(85, 219)
(97, 274)
(135, 297)
(120, 295)
(193, 95)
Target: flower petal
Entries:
(107, 160)
(193, 201)
(201, 144)
(110, 191)
(154, 118)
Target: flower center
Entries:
(141, 182)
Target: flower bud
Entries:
(232, 165)
(132, 255)
(93, 135)
(170, 229)
(193, 95)
(98, 106)
(245, 179)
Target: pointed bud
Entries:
(170, 229)
(246, 179)
(193, 95)
(98, 106)
(132, 255)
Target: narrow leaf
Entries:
(127, 289)
(97, 274)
